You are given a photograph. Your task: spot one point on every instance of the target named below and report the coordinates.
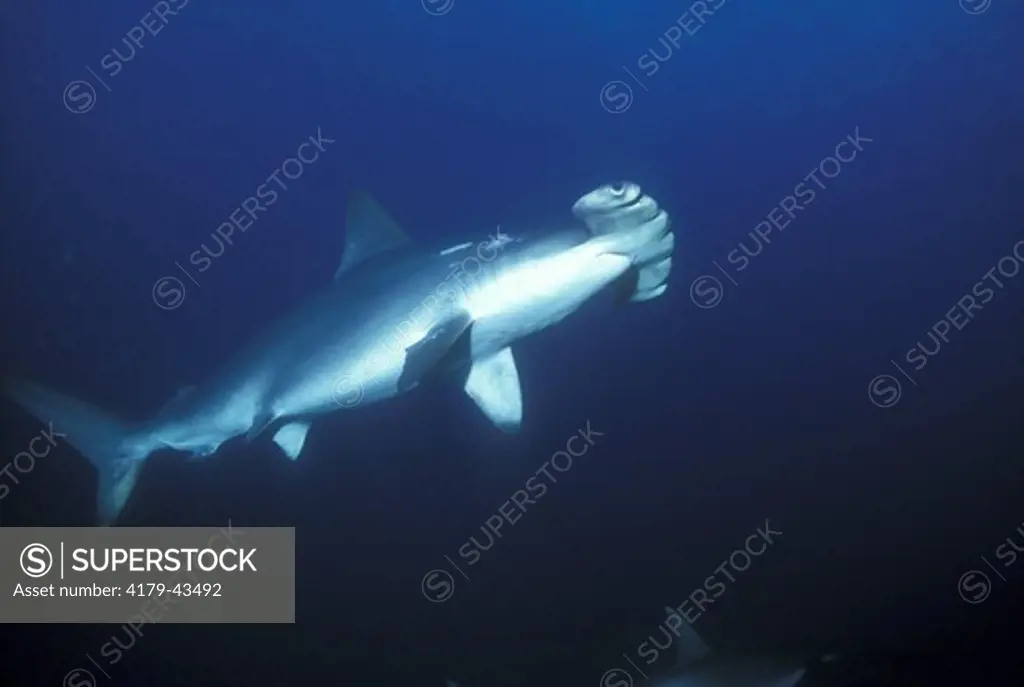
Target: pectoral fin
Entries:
(494, 384)
(433, 353)
(291, 438)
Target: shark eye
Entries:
(618, 189)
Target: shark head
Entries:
(619, 208)
(626, 221)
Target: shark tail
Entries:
(632, 224)
(96, 435)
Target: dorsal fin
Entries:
(690, 648)
(369, 231)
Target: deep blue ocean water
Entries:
(826, 375)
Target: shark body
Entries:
(393, 317)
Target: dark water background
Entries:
(715, 419)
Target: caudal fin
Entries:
(95, 435)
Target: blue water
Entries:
(776, 380)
